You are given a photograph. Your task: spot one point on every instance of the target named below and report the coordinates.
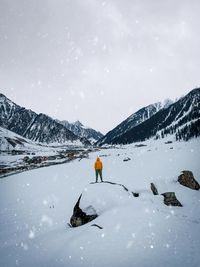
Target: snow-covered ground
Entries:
(35, 207)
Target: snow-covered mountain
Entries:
(135, 119)
(36, 127)
(181, 119)
(80, 130)
(167, 102)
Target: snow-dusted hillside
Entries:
(80, 130)
(181, 120)
(35, 207)
(10, 141)
(132, 121)
(37, 127)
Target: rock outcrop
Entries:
(135, 194)
(171, 200)
(98, 198)
(187, 179)
(154, 189)
(126, 159)
(80, 217)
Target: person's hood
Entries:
(98, 159)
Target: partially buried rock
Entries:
(98, 198)
(135, 194)
(154, 189)
(80, 217)
(126, 159)
(187, 179)
(171, 200)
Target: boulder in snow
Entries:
(140, 145)
(81, 217)
(154, 189)
(135, 194)
(126, 159)
(171, 200)
(96, 199)
(168, 142)
(187, 179)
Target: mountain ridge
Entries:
(36, 127)
(160, 123)
(80, 130)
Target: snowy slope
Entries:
(37, 127)
(132, 121)
(137, 232)
(11, 141)
(135, 119)
(181, 120)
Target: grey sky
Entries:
(97, 61)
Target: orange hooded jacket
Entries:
(98, 164)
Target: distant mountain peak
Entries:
(2, 95)
(78, 123)
(3, 98)
(167, 102)
(82, 131)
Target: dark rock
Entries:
(171, 200)
(26, 159)
(135, 194)
(126, 159)
(79, 217)
(168, 142)
(140, 145)
(154, 189)
(187, 179)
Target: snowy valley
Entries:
(36, 207)
(99, 133)
(123, 223)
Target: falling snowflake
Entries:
(133, 235)
(31, 234)
(102, 235)
(130, 243)
(24, 246)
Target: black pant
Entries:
(99, 173)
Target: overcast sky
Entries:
(98, 61)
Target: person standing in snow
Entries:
(98, 166)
